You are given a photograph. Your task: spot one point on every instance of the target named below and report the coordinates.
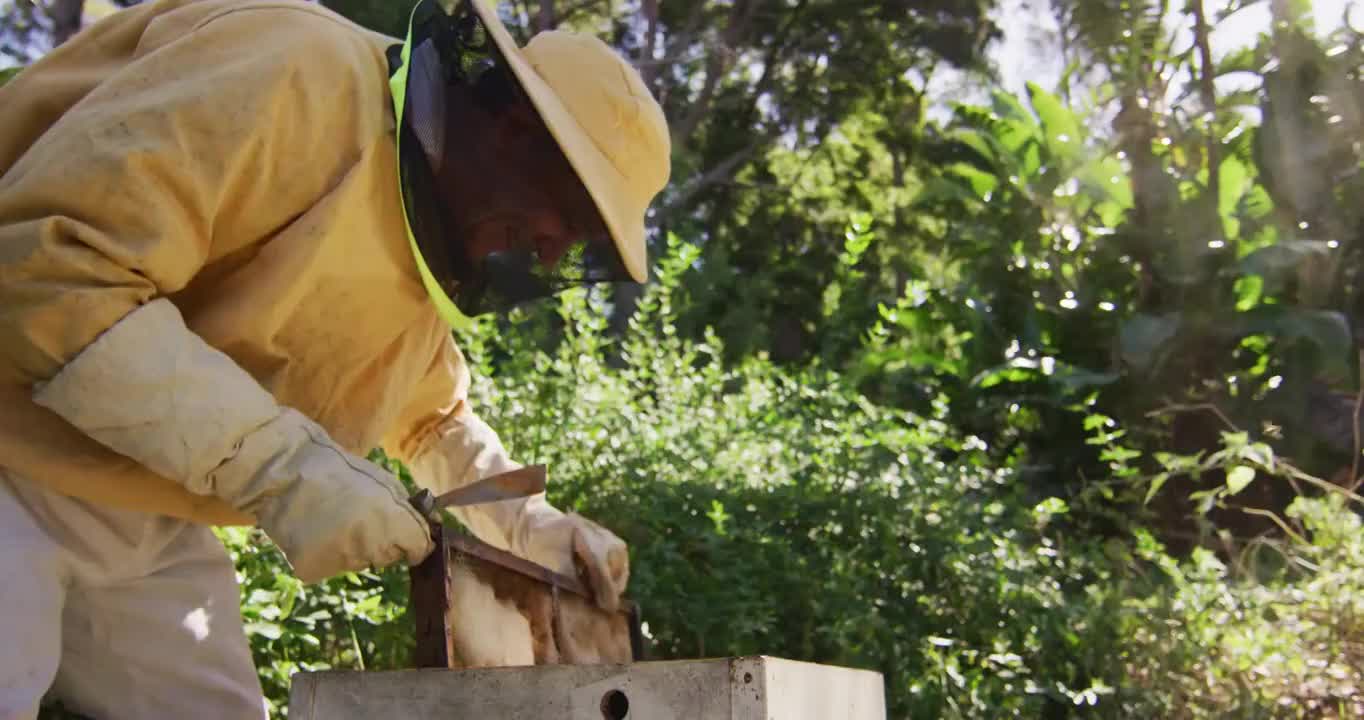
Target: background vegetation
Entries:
(1043, 403)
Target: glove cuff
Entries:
(152, 390)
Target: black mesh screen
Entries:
(456, 49)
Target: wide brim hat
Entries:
(600, 116)
(605, 120)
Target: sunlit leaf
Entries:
(1248, 291)
(1238, 478)
(1061, 128)
(1157, 483)
(979, 142)
(268, 630)
(981, 183)
(1232, 177)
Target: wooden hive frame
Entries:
(431, 591)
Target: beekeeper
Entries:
(234, 235)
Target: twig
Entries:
(1354, 423)
(1205, 407)
(1275, 518)
(722, 56)
(1294, 472)
(1287, 469)
(723, 170)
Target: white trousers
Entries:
(120, 614)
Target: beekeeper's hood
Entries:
(596, 106)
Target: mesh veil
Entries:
(446, 50)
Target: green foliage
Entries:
(780, 512)
(353, 621)
(1272, 633)
(961, 402)
(766, 512)
(389, 18)
(1027, 407)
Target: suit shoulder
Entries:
(300, 29)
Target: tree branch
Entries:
(1354, 424)
(574, 9)
(648, 68)
(1208, 89)
(723, 171)
(66, 19)
(545, 19)
(720, 60)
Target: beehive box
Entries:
(474, 605)
(747, 688)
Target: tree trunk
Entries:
(66, 19)
(545, 20)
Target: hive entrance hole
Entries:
(614, 705)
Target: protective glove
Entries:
(465, 450)
(569, 542)
(328, 510)
(152, 390)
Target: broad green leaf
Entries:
(1003, 374)
(1008, 107)
(1049, 508)
(1106, 179)
(268, 630)
(981, 183)
(1248, 291)
(1018, 132)
(8, 74)
(1327, 331)
(1143, 338)
(1110, 213)
(1028, 158)
(1061, 128)
(1277, 264)
(1238, 478)
(1157, 483)
(945, 189)
(978, 142)
(1257, 202)
(1074, 378)
(1231, 177)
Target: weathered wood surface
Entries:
(749, 688)
(430, 603)
(475, 605)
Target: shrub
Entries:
(768, 511)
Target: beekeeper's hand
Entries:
(328, 510)
(152, 390)
(466, 450)
(567, 542)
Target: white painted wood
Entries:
(749, 688)
(803, 690)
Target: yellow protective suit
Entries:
(238, 159)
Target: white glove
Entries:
(152, 390)
(566, 542)
(468, 450)
(328, 510)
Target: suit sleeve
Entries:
(446, 445)
(195, 148)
